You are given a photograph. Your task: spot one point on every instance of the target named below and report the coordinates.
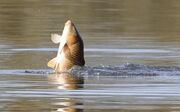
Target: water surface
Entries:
(131, 50)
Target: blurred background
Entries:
(114, 31)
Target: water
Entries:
(131, 52)
(33, 91)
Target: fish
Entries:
(71, 49)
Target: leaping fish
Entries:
(71, 49)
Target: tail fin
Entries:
(52, 63)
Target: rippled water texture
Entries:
(131, 52)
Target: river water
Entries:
(131, 52)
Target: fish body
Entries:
(71, 49)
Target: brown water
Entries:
(115, 32)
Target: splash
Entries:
(128, 69)
(123, 70)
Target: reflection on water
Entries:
(67, 81)
(114, 32)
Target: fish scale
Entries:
(71, 49)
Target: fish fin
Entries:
(52, 63)
(62, 44)
(55, 38)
